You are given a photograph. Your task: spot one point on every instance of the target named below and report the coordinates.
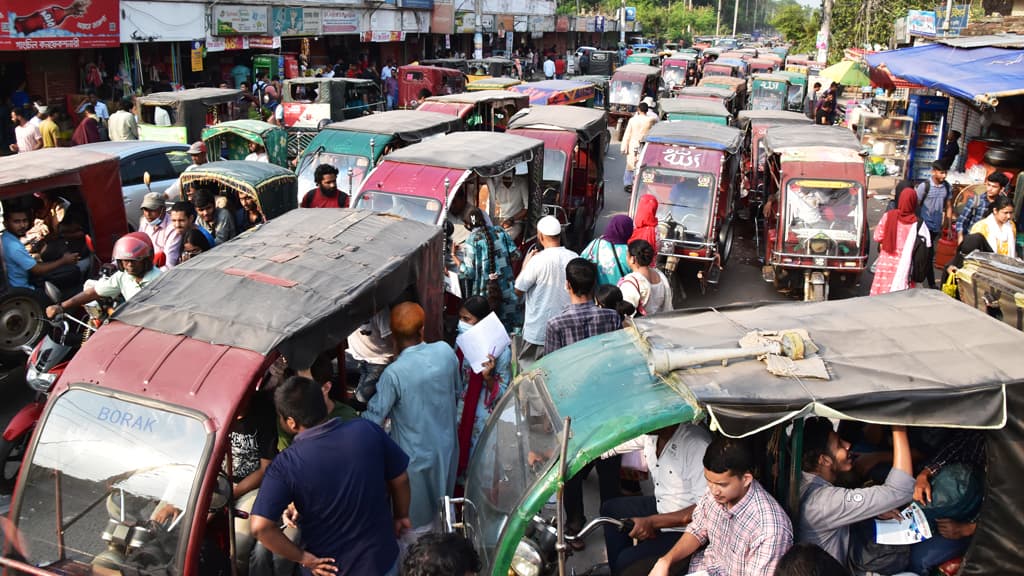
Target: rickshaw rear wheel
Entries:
(11, 454)
(21, 323)
(726, 239)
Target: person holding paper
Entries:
(483, 389)
(486, 266)
(828, 511)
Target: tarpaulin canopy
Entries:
(796, 136)
(773, 117)
(407, 125)
(698, 134)
(274, 188)
(486, 153)
(981, 75)
(705, 91)
(915, 357)
(588, 123)
(553, 92)
(695, 106)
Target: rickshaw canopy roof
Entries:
(773, 77)
(697, 134)
(428, 68)
(315, 273)
(478, 96)
(274, 187)
(635, 72)
(493, 83)
(555, 91)
(731, 83)
(915, 357)
(204, 96)
(406, 125)
(599, 81)
(761, 62)
(48, 168)
(723, 93)
(779, 138)
(486, 153)
(685, 56)
(238, 133)
(314, 80)
(772, 117)
(793, 77)
(699, 106)
(734, 62)
(586, 122)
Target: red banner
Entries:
(55, 24)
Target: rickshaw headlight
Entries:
(818, 245)
(527, 560)
(39, 381)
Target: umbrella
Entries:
(847, 73)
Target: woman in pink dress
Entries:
(892, 232)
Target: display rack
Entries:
(887, 141)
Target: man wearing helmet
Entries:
(133, 253)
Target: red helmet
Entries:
(133, 246)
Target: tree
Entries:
(797, 24)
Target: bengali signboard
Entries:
(45, 25)
(292, 21)
(961, 13)
(520, 23)
(223, 43)
(339, 21)
(562, 24)
(487, 22)
(921, 22)
(383, 36)
(237, 20)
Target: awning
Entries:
(981, 75)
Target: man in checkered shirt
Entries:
(738, 529)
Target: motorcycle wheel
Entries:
(21, 323)
(11, 454)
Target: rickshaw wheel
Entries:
(12, 452)
(21, 322)
(725, 244)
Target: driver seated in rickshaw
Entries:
(511, 199)
(805, 205)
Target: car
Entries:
(164, 161)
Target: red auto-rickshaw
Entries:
(761, 66)
(488, 110)
(416, 82)
(127, 472)
(816, 228)
(692, 168)
(573, 182)
(556, 92)
(679, 71)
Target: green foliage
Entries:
(798, 25)
(856, 22)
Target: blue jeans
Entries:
(928, 554)
(368, 376)
(621, 551)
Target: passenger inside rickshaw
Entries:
(831, 207)
(507, 206)
(554, 170)
(157, 115)
(626, 92)
(304, 93)
(45, 239)
(674, 75)
(343, 162)
(683, 198)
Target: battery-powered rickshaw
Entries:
(603, 62)
(312, 103)
(415, 82)
(768, 92)
(644, 58)
(128, 470)
(729, 67)
(490, 67)
(679, 71)
(737, 85)
(556, 92)
(492, 83)
(797, 89)
(725, 95)
(456, 63)
(273, 187)
(600, 83)
(692, 168)
(230, 140)
(181, 116)
(761, 66)
(355, 146)
(573, 182)
(689, 367)
(697, 109)
(488, 110)
(629, 85)
(816, 230)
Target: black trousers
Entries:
(608, 480)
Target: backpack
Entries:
(920, 262)
(342, 199)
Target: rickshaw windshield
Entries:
(625, 92)
(768, 95)
(674, 75)
(554, 165)
(307, 170)
(795, 97)
(100, 462)
(516, 448)
(426, 210)
(684, 196)
(824, 207)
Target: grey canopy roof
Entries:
(636, 70)
(694, 106)
(487, 153)
(406, 125)
(795, 136)
(916, 357)
(773, 117)
(206, 96)
(723, 93)
(477, 96)
(698, 134)
(587, 122)
(299, 284)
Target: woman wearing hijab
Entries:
(896, 232)
(610, 252)
(645, 222)
(998, 227)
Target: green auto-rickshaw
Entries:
(273, 187)
(797, 89)
(699, 109)
(768, 92)
(231, 140)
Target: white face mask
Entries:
(463, 326)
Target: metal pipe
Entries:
(665, 361)
(563, 469)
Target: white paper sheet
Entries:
(452, 285)
(910, 528)
(488, 336)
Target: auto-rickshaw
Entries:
(761, 66)
(91, 183)
(781, 52)
(778, 61)
(629, 85)
(230, 140)
(686, 367)
(696, 109)
(816, 228)
(273, 187)
(679, 71)
(644, 58)
(181, 116)
(692, 168)
(725, 95)
(312, 103)
(556, 92)
(456, 63)
(420, 181)
(600, 83)
(490, 67)
(736, 85)
(488, 110)
(768, 92)
(355, 146)
(418, 82)
(573, 181)
(797, 89)
(140, 420)
(732, 67)
(602, 63)
(493, 84)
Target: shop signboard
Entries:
(899, 31)
(339, 21)
(227, 43)
(46, 25)
(417, 4)
(562, 24)
(487, 22)
(630, 13)
(504, 24)
(442, 17)
(921, 22)
(383, 36)
(465, 23)
(598, 23)
(961, 13)
(263, 42)
(520, 23)
(294, 21)
(178, 22)
(238, 20)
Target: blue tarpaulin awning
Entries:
(981, 75)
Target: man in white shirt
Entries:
(39, 116)
(26, 135)
(511, 196)
(674, 457)
(542, 282)
(549, 68)
(122, 125)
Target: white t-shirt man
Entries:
(549, 68)
(542, 280)
(511, 200)
(28, 138)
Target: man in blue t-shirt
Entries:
(935, 207)
(18, 263)
(347, 483)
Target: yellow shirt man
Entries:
(49, 131)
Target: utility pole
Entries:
(718, 19)
(478, 34)
(826, 24)
(622, 23)
(735, 16)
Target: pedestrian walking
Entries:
(896, 232)
(935, 207)
(636, 129)
(88, 129)
(122, 124)
(610, 251)
(26, 135)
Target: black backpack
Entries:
(920, 263)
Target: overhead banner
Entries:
(465, 22)
(561, 24)
(921, 22)
(417, 4)
(237, 20)
(161, 21)
(292, 21)
(334, 21)
(43, 25)
(225, 43)
(383, 36)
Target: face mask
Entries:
(157, 221)
(463, 326)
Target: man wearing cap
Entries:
(198, 153)
(122, 125)
(155, 224)
(827, 511)
(542, 282)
